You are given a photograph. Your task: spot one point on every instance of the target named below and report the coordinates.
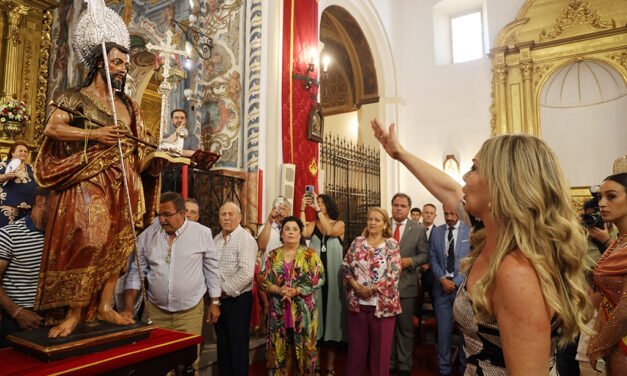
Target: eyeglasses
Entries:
(168, 215)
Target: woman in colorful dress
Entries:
(290, 276)
(610, 281)
(326, 235)
(17, 184)
(525, 290)
(371, 269)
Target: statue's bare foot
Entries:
(109, 315)
(67, 326)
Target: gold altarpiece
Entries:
(25, 33)
(546, 36)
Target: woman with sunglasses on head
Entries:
(326, 236)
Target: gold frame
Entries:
(545, 36)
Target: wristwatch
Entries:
(215, 302)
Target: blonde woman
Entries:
(525, 289)
(372, 268)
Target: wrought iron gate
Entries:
(210, 188)
(353, 179)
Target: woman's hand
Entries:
(10, 176)
(314, 201)
(387, 138)
(363, 292)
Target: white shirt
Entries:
(401, 230)
(429, 230)
(274, 242)
(237, 264)
(193, 269)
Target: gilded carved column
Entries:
(500, 74)
(42, 79)
(529, 120)
(14, 13)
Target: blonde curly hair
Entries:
(529, 198)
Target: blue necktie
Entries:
(450, 259)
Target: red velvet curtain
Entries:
(300, 36)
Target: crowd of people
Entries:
(511, 267)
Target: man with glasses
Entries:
(180, 263)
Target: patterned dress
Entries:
(307, 274)
(17, 195)
(482, 339)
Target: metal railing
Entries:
(353, 179)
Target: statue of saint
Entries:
(89, 234)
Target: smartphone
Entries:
(309, 188)
(278, 204)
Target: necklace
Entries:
(616, 243)
(171, 242)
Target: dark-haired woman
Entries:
(610, 280)
(326, 235)
(17, 185)
(290, 276)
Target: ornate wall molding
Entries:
(577, 12)
(14, 18)
(567, 34)
(28, 57)
(620, 58)
(42, 80)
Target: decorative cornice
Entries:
(577, 12)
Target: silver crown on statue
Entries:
(96, 24)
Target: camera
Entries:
(592, 216)
(593, 220)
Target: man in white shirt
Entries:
(180, 263)
(238, 251)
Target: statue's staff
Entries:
(98, 123)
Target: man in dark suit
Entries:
(414, 249)
(448, 245)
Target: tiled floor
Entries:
(424, 364)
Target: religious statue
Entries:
(90, 231)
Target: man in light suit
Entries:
(448, 245)
(414, 249)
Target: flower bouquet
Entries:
(14, 115)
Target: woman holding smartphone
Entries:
(326, 234)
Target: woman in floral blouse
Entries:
(372, 268)
(290, 277)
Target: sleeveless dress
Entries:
(482, 340)
(331, 304)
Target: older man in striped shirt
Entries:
(237, 265)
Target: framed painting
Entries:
(315, 124)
